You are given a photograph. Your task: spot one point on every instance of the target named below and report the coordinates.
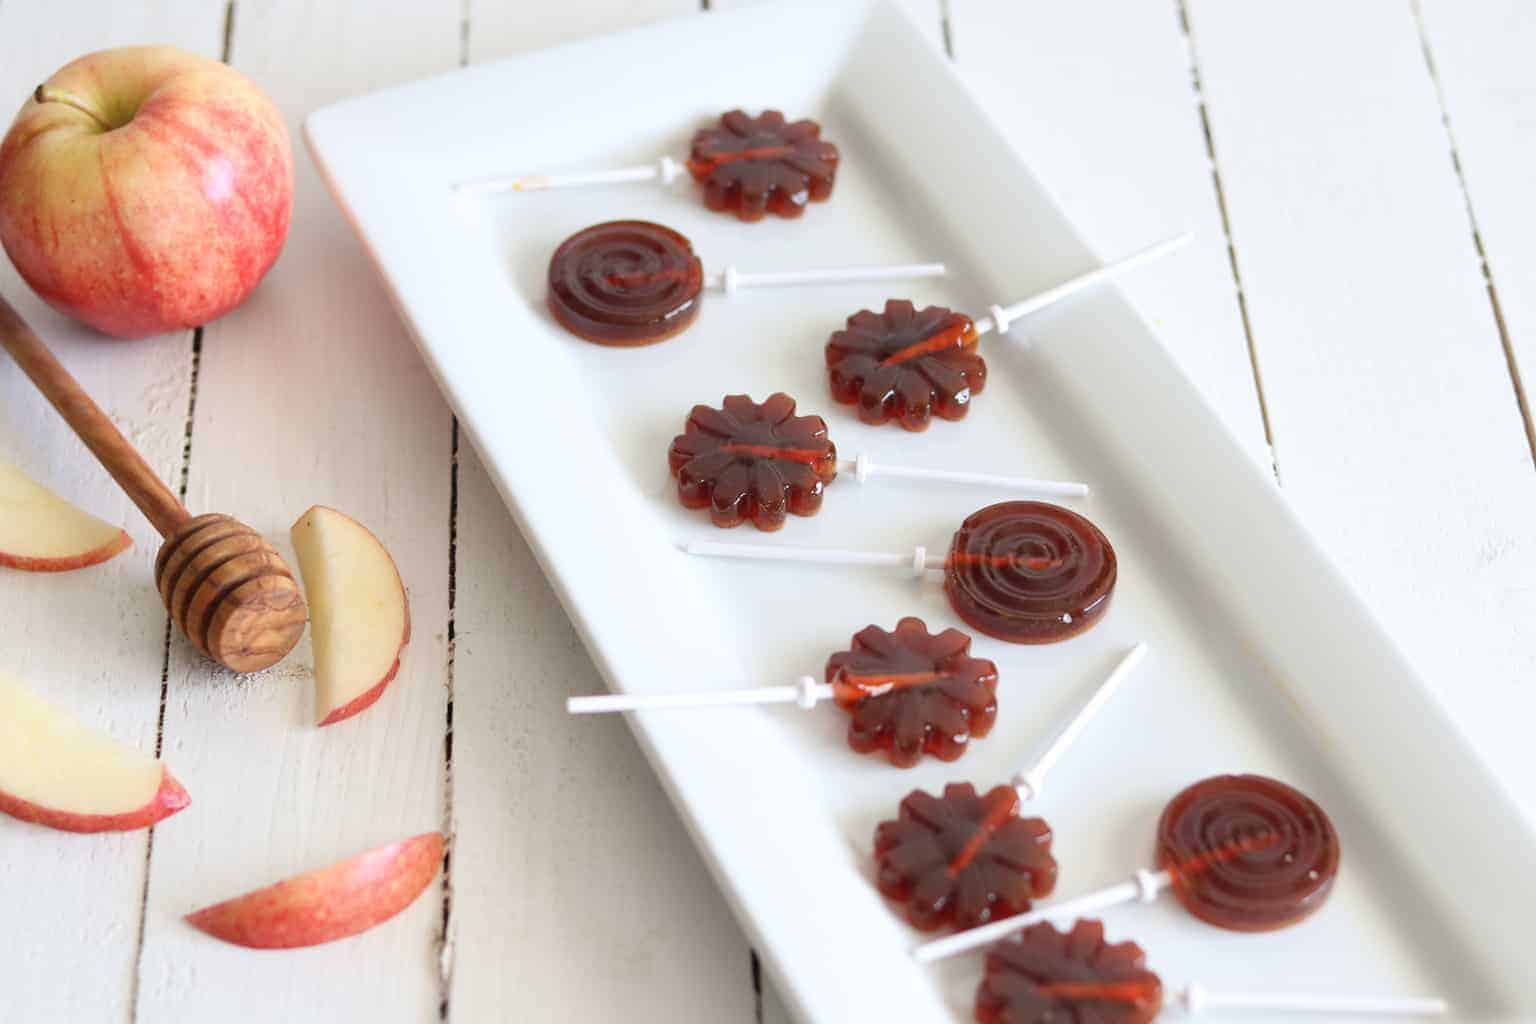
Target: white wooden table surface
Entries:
(1361, 299)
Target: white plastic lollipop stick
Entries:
(1144, 887)
(1030, 780)
(665, 170)
(863, 467)
(918, 560)
(1195, 998)
(805, 691)
(1000, 317)
(730, 280)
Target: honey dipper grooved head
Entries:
(231, 593)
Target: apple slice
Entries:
(56, 772)
(332, 903)
(359, 618)
(41, 532)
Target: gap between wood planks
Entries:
(1510, 360)
(1182, 9)
(196, 357)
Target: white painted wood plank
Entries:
(1482, 54)
(1097, 95)
(92, 641)
(312, 392)
(929, 14)
(1395, 424)
(577, 894)
(498, 29)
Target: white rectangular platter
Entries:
(1263, 659)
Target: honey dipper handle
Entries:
(87, 420)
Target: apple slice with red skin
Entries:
(41, 532)
(56, 772)
(359, 618)
(332, 903)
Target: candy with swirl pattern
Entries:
(1248, 853)
(1029, 572)
(625, 282)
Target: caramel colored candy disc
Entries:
(1248, 853)
(1029, 572)
(626, 282)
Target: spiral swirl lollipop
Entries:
(626, 282)
(1247, 853)
(1242, 852)
(633, 282)
(1027, 572)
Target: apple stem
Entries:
(47, 94)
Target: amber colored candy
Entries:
(906, 364)
(1029, 572)
(1052, 977)
(910, 692)
(1248, 853)
(625, 282)
(748, 461)
(755, 165)
(963, 859)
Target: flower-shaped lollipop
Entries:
(756, 462)
(1242, 852)
(1022, 571)
(964, 859)
(747, 165)
(908, 365)
(907, 692)
(633, 282)
(752, 165)
(1076, 977)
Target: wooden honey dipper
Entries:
(227, 589)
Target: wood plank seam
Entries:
(165, 657)
(1197, 88)
(1510, 358)
(196, 356)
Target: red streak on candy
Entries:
(809, 456)
(961, 335)
(1122, 992)
(1000, 812)
(874, 686)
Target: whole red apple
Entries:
(145, 189)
